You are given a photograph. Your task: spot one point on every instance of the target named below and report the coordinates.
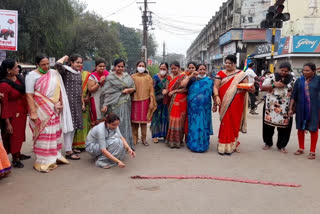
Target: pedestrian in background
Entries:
(305, 102)
(252, 77)
(14, 111)
(279, 87)
(159, 123)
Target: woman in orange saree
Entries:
(177, 107)
(232, 103)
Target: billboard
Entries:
(306, 44)
(8, 30)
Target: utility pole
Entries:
(164, 52)
(146, 22)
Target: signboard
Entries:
(284, 46)
(232, 35)
(306, 44)
(8, 30)
(229, 49)
(265, 48)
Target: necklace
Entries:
(42, 71)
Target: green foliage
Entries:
(59, 27)
(153, 69)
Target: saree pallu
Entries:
(231, 111)
(5, 166)
(199, 115)
(47, 130)
(81, 134)
(159, 123)
(177, 114)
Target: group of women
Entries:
(66, 102)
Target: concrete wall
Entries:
(305, 17)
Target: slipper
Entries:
(299, 152)
(283, 150)
(72, 156)
(266, 147)
(77, 151)
(155, 140)
(145, 143)
(312, 156)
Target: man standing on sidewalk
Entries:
(252, 76)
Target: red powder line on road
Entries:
(218, 178)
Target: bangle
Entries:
(273, 86)
(216, 95)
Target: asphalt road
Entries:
(81, 187)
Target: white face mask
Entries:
(201, 76)
(141, 69)
(163, 72)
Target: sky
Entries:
(175, 22)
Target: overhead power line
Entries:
(119, 10)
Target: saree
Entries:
(177, 113)
(119, 103)
(5, 165)
(95, 110)
(199, 115)
(81, 134)
(47, 129)
(231, 111)
(159, 123)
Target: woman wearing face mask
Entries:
(231, 102)
(143, 103)
(72, 79)
(305, 101)
(159, 123)
(95, 85)
(177, 107)
(106, 144)
(200, 90)
(49, 112)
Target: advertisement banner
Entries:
(306, 44)
(8, 30)
(284, 46)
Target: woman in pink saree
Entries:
(49, 114)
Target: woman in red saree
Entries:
(232, 103)
(177, 107)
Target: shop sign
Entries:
(306, 44)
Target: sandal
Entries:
(312, 156)
(266, 147)
(72, 156)
(77, 151)
(299, 152)
(155, 140)
(145, 143)
(24, 157)
(283, 150)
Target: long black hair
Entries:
(6, 65)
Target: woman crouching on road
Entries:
(106, 144)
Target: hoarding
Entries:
(8, 30)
